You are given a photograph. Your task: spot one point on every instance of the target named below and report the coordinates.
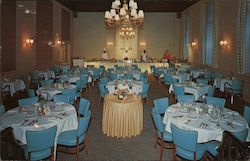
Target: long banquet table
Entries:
(122, 118)
(107, 64)
(209, 124)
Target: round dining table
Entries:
(122, 118)
(207, 120)
(25, 118)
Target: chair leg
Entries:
(86, 144)
(174, 153)
(77, 149)
(161, 148)
(52, 158)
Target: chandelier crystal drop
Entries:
(125, 16)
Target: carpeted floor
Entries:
(102, 147)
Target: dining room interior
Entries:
(125, 79)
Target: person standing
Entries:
(105, 55)
(144, 56)
(167, 55)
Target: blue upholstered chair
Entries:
(84, 79)
(104, 80)
(246, 114)
(31, 93)
(62, 98)
(40, 144)
(185, 98)
(84, 71)
(27, 101)
(83, 107)
(2, 109)
(234, 89)
(211, 91)
(79, 85)
(178, 90)
(46, 82)
(186, 144)
(145, 91)
(113, 76)
(96, 74)
(75, 138)
(162, 137)
(167, 79)
(102, 90)
(72, 92)
(212, 146)
(144, 79)
(216, 101)
(161, 104)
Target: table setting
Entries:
(133, 86)
(209, 121)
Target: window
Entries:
(186, 37)
(247, 53)
(208, 51)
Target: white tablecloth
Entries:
(220, 83)
(196, 90)
(137, 86)
(196, 73)
(15, 86)
(209, 126)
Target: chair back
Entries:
(167, 78)
(237, 85)
(178, 90)
(246, 113)
(211, 91)
(34, 75)
(183, 139)
(84, 71)
(79, 85)
(113, 76)
(83, 124)
(2, 109)
(207, 74)
(185, 98)
(144, 79)
(242, 135)
(46, 82)
(161, 104)
(62, 98)
(157, 120)
(216, 101)
(145, 90)
(83, 106)
(31, 93)
(72, 92)
(102, 90)
(41, 140)
(104, 80)
(27, 101)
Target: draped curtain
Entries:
(186, 36)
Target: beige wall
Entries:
(228, 14)
(25, 28)
(159, 31)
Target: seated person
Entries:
(144, 56)
(105, 55)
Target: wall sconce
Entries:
(29, 42)
(143, 44)
(56, 43)
(223, 43)
(194, 44)
(110, 43)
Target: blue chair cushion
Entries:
(38, 155)
(212, 147)
(201, 149)
(66, 138)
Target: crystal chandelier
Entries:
(124, 16)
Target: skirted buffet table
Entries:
(122, 118)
